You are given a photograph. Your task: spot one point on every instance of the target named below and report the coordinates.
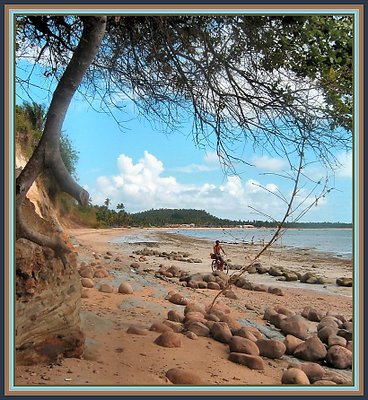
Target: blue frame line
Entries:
(244, 389)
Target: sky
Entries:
(145, 168)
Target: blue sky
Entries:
(145, 168)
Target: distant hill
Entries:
(201, 218)
(164, 217)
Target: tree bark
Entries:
(47, 153)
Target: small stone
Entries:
(105, 288)
(87, 283)
(178, 376)
(133, 330)
(125, 288)
(178, 299)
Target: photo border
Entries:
(358, 193)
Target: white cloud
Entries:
(269, 164)
(211, 163)
(212, 158)
(143, 185)
(192, 168)
(345, 167)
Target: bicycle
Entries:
(216, 264)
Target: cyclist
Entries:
(217, 249)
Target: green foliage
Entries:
(201, 218)
(239, 77)
(164, 217)
(29, 122)
(69, 155)
(26, 135)
(111, 218)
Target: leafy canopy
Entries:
(269, 80)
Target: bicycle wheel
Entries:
(226, 268)
(214, 265)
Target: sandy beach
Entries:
(115, 357)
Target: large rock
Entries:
(339, 357)
(219, 306)
(311, 350)
(336, 340)
(268, 313)
(194, 316)
(328, 321)
(221, 332)
(337, 378)
(347, 282)
(313, 371)
(86, 272)
(276, 290)
(271, 348)
(326, 332)
(190, 307)
(179, 376)
(252, 362)
(323, 382)
(285, 311)
(175, 326)
(276, 319)
(160, 327)
(294, 376)
(169, 339)
(294, 325)
(239, 344)
(213, 286)
(245, 333)
(101, 273)
(291, 343)
(198, 328)
(315, 315)
(175, 316)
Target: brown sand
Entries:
(114, 357)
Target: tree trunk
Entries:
(47, 153)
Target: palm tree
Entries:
(36, 113)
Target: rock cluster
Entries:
(328, 340)
(248, 346)
(173, 255)
(90, 273)
(284, 274)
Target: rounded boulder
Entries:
(169, 339)
(294, 376)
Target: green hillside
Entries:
(164, 217)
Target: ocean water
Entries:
(338, 242)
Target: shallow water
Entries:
(338, 242)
